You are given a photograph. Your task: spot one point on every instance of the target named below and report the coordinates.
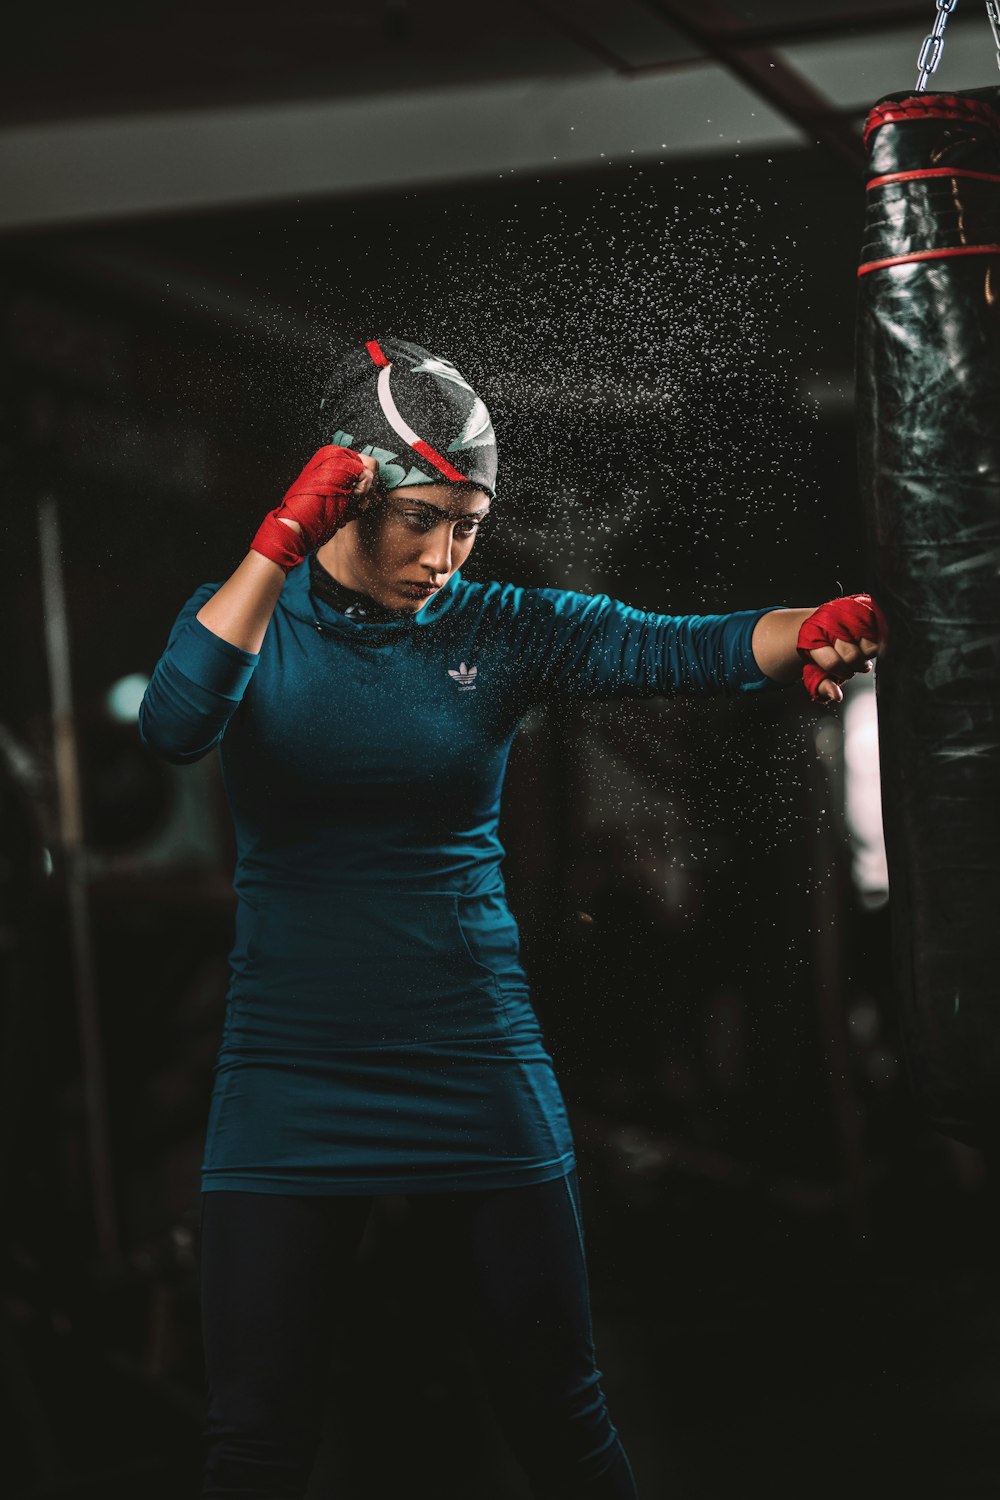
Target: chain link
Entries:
(933, 44)
(993, 11)
(930, 52)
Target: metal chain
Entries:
(930, 52)
(993, 11)
(933, 45)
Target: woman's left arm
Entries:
(569, 645)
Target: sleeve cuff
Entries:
(213, 663)
(747, 674)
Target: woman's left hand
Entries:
(837, 640)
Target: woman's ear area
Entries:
(368, 485)
(369, 479)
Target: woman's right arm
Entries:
(214, 646)
(316, 506)
(240, 611)
(198, 682)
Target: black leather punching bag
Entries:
(928, 389)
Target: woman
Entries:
(379, 1035)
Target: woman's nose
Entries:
(437, 554)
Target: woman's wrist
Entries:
(774, 643)
(239, 612)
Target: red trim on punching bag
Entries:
(931, 107)
(932, 172)
(914, 255)
(376, 353)
(426, 451)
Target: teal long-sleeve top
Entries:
(379, 1034)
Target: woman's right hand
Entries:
(316, 505)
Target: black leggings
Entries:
(271, 1269)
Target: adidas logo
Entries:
(464, 678)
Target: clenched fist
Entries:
(316, 505)
(841, 637)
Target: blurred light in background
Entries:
(124, 697)
(863, 793)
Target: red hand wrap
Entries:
(846, 619)
(317, 500)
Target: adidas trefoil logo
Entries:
(464, 678)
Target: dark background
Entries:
(793, 1279)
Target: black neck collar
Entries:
(349, 601)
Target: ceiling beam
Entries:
(918, 19)
(714, 28)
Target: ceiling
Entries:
(112, 111)
(112, 58)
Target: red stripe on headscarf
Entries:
(426, 451)
(376, 353)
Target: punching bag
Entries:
(928, 397)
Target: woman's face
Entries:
(405, 541)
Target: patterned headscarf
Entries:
(414, 413)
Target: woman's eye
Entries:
(424, 523)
